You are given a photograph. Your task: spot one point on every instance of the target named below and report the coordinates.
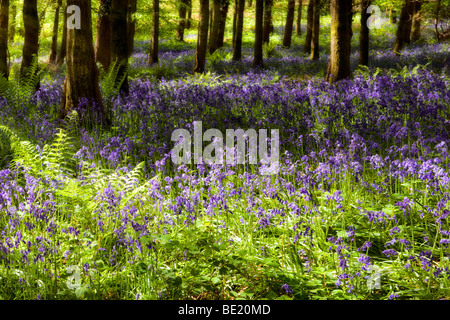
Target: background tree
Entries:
(81, 73)
(12, 29)
(119, 42)
(153, 56)
(224, 5)
(103, 38)
(267, 24)
(182, 11)
(258, 53)
(364, 34)
(417, 20)
(215, 22)
(4, 20)
(202, 37)
(189, 14)
(131, 25)
(31, 42)
(289, 24)
(315, 30)
(341, 35)
(298, 24)
(63, 48)
(237, 52)
(309, 27)
(402, 27)
(54, 45)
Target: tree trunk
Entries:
(153, 57)
(268, 5)
(309, 27)
(234, 22)
(436, 20)
(31, 43)
(364, 34)
(131, 25)
(392, 16)
(182, 11)
(12, 30)
(4, 20)
(417, 20)
(237, 53)
(289, 24)
(341, 35)
(408, 26)
(223, 21)
(63, 48)
(103, 38)
(202, 37)
(258, 58)
(189, 14)
(119, 42)
(298, 25)
(249, 3)
(215, 22)
(54, 45)
(81, 80)
(315, 31)
(402, 25)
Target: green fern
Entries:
(108, 84)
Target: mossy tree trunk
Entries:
(202, 37)
(103, 38)
(182, 11)
(54, 45)
(289, 24)
(268, 5)
(258, 52)
(364, 34)
(4, 21)
(309, 27)
(315, 31)
(12, 29)
(154, 42)
(341, 35)
(237, 52)
(81, 80)
(119, 42)
(31, 42)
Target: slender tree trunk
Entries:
(131, 25)
(364, 34)
(189, 14)
(31, 44)
(235, 11)
(392, 16)
(417, 20)
(182, 11)
(341, 35)
(315, 31)
(268, 5)
(214, 36)
(223, 21)
(309, 27)
(103, 38)
(81, 80)
(63, 49)
(408, 26)
(402, 25)
(202, 37)
(289, 24)
(436, 20)
(258, 58)
(153, 57)
(119, 42)
(54, 45)
(12, 30)
(4, 20)
(237, 53)
(298, 25)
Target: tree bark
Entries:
(436, 20)
(309, 27)
(189, 14)
(289, 24)
(298, 25)
(182, 11)
(31, 44)
(153, 57)
(235, 12)
(237, 53)
(103, 38)
(224, 4)
(408, 26)
(119, 42)
(258, 53)
(54, 45)
(401, 29)
(4, 21)
(364, 34)
(341, 35)
(131, 25)
(417, 20)
(12, 30)
(202, 37)
(63, 49)
(315, 31)
(215, 21)
(268, 5)
(81, 80)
